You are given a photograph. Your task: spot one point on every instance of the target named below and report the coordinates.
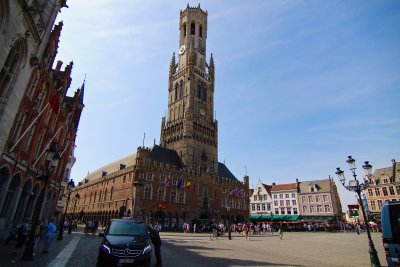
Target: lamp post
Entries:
(136, 184)
(61, 233)
(76, 198)
(51, 162)
(356, 186)
(229, 223)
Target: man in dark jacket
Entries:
(156, 240)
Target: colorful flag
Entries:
(55, 102)
(241, 192)
(180, 184)
(233, 192)
(188, 185)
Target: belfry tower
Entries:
(190, 127)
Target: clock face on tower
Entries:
(182, 49)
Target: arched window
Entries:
(111, 193)
(184, 29)
(32, 85)
(161, 193)
(18, 126)
(105, 195)
(201, 31)
(192, 29)
(173, 195)
(147, 191)
(10, 69)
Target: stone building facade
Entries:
(385, 187)
(46, 121)
(180, 179)
(320, 199)
(316, 200)
(25, 27)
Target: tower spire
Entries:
(172, 65)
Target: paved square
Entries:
(296, 249)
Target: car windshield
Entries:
(127, 228)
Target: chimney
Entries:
(273, 183)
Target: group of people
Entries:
(91, 227)
(44, 232)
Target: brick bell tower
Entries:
(190, 127)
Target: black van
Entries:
(125, 242)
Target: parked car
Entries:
(125, 242)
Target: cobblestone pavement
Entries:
(191, 250)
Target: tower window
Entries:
(192, 28)
(184, 30)
(201, 31)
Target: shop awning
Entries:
(291, 217)
(265, 217)
(254, 217)
(278, 217)
(315, 218)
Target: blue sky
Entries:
(300, 85)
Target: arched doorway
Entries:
(23, 201)
(10, 200)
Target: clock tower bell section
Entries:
(190, 127)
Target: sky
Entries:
(300, 85)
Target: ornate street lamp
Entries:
(51, 162)
(356, 186)
(61, 232)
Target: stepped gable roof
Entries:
(111, 167)
(163, 154)
(280, 187)
(223, 171)
(322, 185)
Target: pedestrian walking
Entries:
(156, 240)
(49, 235)
(194, 228)
(281, 232)
(245, 230)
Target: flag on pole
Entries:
(55, 102)
(188, 185)
(233, 192)
(168, 183)
(180, 184)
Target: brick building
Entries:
(180, 179)
(46, 121)
(385, 187)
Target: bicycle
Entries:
(214, 235)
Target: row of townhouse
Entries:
(316, 200)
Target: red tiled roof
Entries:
(267, 187)
(279, 187)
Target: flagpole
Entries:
(51, 140)
(65, 149)
(29, 127)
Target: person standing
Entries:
(194, 228)
(281, 232)
(156, 240)
(49, 235)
